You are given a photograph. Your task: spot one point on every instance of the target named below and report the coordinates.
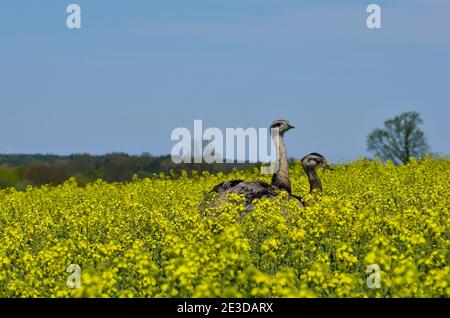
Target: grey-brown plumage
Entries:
(257, 189)
(310, 163)
(252, 190)
(280, 179)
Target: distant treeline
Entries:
(22, 170)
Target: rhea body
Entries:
(259, 189)
(280, 179)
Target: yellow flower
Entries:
(146, 238)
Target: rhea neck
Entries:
(313, 179)
(280, 179)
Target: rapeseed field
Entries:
(146, 238)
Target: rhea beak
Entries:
(327, 166)
(291, 126)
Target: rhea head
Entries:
(310, 163)
(314, 160)
(282, 125)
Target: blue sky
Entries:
(138, 69)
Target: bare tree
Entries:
(400, 139)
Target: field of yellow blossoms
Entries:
(146, 238)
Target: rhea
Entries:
(280, 179)
(258, 189)
(310, 163)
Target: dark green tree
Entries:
(400, 139)
(8, 177)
